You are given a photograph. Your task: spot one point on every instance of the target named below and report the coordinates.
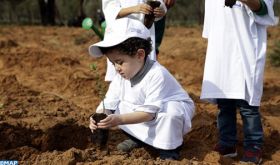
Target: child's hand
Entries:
(159, 12)
(92, 124)
(143, 8)
(110, 121)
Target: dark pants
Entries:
(252, 126)
(159, 32)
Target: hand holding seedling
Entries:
(110, 121)
(92, 124)
(99, 136)
(143, 8)
(150, 17)
(159, 12)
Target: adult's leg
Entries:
(252, 125)
(159, 32)
(226, 122)
(253, 132)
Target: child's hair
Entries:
(130, 46)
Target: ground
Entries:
(48, 90)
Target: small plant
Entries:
(93, 67)
(1, 105)
(274, 57)
(99, 83)
(99, 136)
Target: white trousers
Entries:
(166, 131)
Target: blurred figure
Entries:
(160, 25)
(100, 16)
(77, 21)
(47, 9)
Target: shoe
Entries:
(226, 151)
(252, 154)
(173, 154)
(169, 155)
(127, 145)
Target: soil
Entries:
(49, 86)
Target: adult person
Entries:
(234, 67)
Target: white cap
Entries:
(119, 31)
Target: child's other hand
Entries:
(159, 12)
(143, 8)
(110, 121)
(92, 124)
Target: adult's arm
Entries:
(254, 5)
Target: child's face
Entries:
(127, 66)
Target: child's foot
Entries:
(170, 154)
(128, 145)
(252, 154)
(226, 151)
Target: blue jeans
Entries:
(252, 126)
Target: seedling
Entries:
(99, 136)
(1, 105)
(100, 86)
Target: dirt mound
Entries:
(48, 90)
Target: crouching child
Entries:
(147, 102)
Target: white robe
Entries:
(236, 50)
(111, 8)
(158, 92)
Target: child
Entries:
(134, 9)
(148, 103)
(234, 67)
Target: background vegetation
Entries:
(274, 57)
(68, 12)
(185, 12)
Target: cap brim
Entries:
(94, 50)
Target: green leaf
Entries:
(93, 66)
(1, 105)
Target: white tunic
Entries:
(158, 92)
(111, 9)
(236, 50)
